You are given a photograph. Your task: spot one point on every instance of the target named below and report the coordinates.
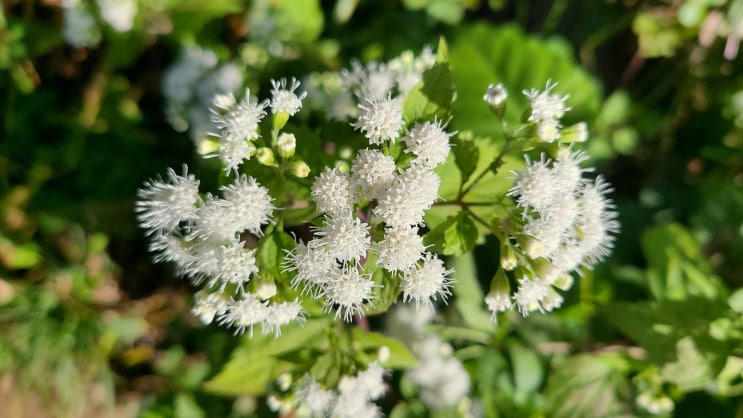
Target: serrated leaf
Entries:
(400, 356)
(455, 236)
(432, 97)
(466, 155)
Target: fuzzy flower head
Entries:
(426, 281)
(332, 192)
(380, 119)
(372, 172)
(249, 204)
(400, 249)
(429, 142)
(345, 237)
(233, 151)
(546, 106)
(239, 120)
(243, 314)
(284, 100)
(347, 289)
(530, 294)
(162, 205)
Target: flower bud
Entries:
(496, 97)
(265, 288)
(563, 282)
(575, 133)
(499, 297)
(548, 131)
(265, 156)
(299, 169)
(507, 256)
(287, 143)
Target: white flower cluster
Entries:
(442, 379)
(204, 237)
(238, 121)
(568, 222)
(353, 398)
(332, 264)
(189, 87)
(339, 94)
(80, 28)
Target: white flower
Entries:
(332, 192)
(380, 119)
(284, 99)
(429, 142)
(312, 263)
(234, 265)
(207, 306)
(548, 131)
(371, 381)
(552, 301)
(497, 302)
(425, 281)
(374, 80)
(286, 144)
(530, 294)
(372, 172)
(240, 120)
(233, 151)
(118, 13)
(281, 314)
(545, 105)
(214, 222)
(408, 196)
(170, 248)
(534, 185)
(311, 396)
(249, 204)
(345, 237)
(496, 95)
(348, 289)
(400, 249)
(162, 205)
(243, 314)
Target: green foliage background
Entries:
(83, 308)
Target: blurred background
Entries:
(98, 96)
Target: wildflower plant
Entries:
(315, 227)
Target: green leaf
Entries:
(388, 286)
(466, 155)
(527, 369)
(186, 407)
(676, 336)
(432, 97)
(400, 356)
(255, 362)
(677, 268)
(469, 296)
(455, 236)
(270, 254)
(736, 301)
(587, 386)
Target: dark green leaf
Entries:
(455, 236)
(466, 155)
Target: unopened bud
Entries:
(287, 143)
(507, 256)
(299, 169)
(499, 297)
(575, 133)
(265, 156)
(265, 288)
(548, 131)
(564, 282)
(495, 97)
